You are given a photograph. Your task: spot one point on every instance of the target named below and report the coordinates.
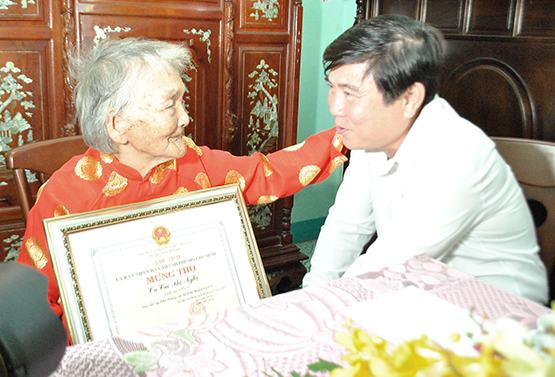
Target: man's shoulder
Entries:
(454, 135)
(443, 119)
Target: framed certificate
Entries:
(128, 267)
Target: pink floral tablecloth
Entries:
(283, 333)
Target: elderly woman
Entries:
(129, 102)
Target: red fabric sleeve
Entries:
(34, 250)
(64, 193)
(264, 179)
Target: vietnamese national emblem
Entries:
(161, 235)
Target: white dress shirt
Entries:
(446, 193)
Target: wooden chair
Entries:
(533, 163)
(42, 157)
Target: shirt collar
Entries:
(115, 165)
(414, 140)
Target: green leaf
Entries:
(323, 366)
(277, 374)
(186, 336)
(141, 361)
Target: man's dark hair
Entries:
(398, 51)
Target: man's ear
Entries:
(116, 127)
(413, 98)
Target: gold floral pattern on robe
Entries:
(338, 142)
(60, 210)
(88, 168)
(295, 147)
(116, 184)
(202, 180)
(36, 253)
(233, 176)
(191, 144)
(160, 171)
(337, 162)
(267, 166)
(308, 173)
(267, 199)
(180, 190)
(107, 158)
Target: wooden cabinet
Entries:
(242, 96)
(499, 62)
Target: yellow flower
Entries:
(501, 351)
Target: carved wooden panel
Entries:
(267, 43)
(407, 7)
(264, 15)
(510, 95)
(500, 56)
(487, 16)
(446, 15)
(24, 10)
(23, 106)
(30, 81)
(151, 3)
(536, 18)
(260, 113)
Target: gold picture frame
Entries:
(127, 267)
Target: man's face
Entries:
(361, 115)
(155, 126)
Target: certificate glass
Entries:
(124, 268)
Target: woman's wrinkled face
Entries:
(155, 124)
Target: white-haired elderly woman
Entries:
(129, 103)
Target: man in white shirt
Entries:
(424, 179)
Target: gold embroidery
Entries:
(267, 166)
(61, 210)
(202, 180)
(233, 176)
(88, 168)
(180, 190)
(338, 142)
(337, 162)
(106, 158)
(191, 144)
(308, 173)
(115, 185)
(36, 253)
(294, 147)
(266, 199)
(160, 171)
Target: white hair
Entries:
(108, 78)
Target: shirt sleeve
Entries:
(348, 227)
(266, 178)
(34, 249)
